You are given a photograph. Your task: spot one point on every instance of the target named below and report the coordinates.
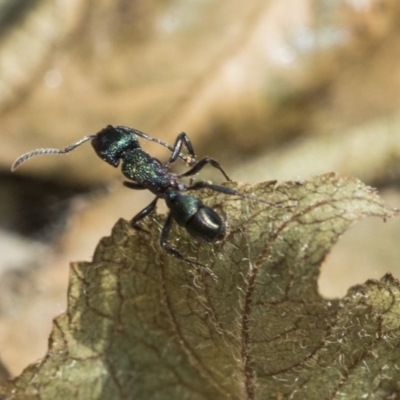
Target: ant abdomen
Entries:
(206, 225)
(200, 221)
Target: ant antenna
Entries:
(234, 192)
(38, 152)
(189, 160)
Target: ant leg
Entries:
(182, 139)
(133, 185)
(170, 250)
(140, 215)
(164, 237)
(201, 164)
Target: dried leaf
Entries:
(143, 325)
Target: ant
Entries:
(115, 143)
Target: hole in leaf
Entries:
(368, 250)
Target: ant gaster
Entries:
(120, 143)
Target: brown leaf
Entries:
(143, 325)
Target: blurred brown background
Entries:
(273, 89)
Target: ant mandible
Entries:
(115, 143)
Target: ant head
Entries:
(111, 142)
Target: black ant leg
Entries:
(140, 215)
(164, 237)
(201, 164)
(170, 250)
(133, 185)
(182, 139)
